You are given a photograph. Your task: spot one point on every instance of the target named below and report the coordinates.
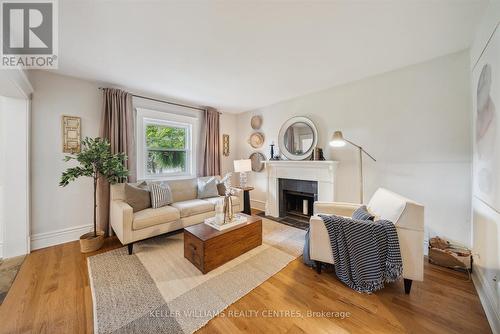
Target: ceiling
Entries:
(238, 56)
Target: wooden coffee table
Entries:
(208, 248)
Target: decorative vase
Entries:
(228, 209)
(219, 211)
(90, 243)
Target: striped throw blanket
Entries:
(366, 253)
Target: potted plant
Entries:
(95, 160)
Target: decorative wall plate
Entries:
(256, 139)
(256, 122)
(257, 161)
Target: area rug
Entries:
(156, 290)
(8, 272)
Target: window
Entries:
(165, 145)
(167, 149)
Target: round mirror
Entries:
(298, 138)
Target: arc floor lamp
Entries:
(338, 140)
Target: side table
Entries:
(246, 199)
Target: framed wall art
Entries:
(486, 99)
(225, 145)
(71, 129)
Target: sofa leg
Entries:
(318, 266)
(407, 283)
(130, 248)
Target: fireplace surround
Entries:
(323, 173)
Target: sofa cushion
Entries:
(402, 211)
(151, 217)
(183, 190)
(137, 196)
(387, 205)
(213, 200)
(221, 188)
(117, 192)
(160, 195)
(193, 207)
(207, 187)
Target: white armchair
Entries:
(407, 215)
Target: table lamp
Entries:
(338, 140)
(243, 166)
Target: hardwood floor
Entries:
(52, 295)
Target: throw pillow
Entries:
(207, 187)
(221, 188)
(362, 213)
(137, 196)
(161, 195)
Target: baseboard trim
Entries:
(485, 295)
(47, 239)
(258, 204)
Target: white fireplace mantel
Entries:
(323, 172)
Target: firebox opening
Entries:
(296, 198)
(299, 204)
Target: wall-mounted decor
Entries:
(225, 145)
(256, 139)
(486, 96)
(256, 122)
(71, 129)
(297, 138)
(257, 159)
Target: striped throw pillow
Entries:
(362, 214)
(160, 195)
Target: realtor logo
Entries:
(29, 36)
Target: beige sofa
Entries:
(407, 215)
(185, 210)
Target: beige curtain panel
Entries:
(210, 148)
(117, 126)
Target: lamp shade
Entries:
(241, 166)
(337, 139)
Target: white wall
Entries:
(484, 30)
(415, 121)
(59, 214)
(15, 91)
(2, 179)
(485, 220)
(14, 177)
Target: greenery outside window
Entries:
(167, 148)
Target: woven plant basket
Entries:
(90, 243)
